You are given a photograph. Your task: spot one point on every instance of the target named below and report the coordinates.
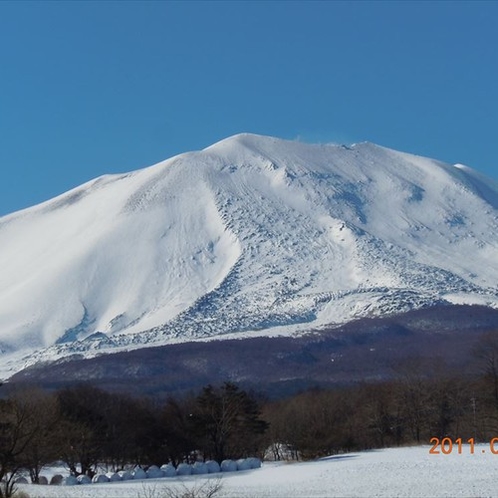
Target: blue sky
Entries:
(89, 88)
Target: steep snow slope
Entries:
(250, 234)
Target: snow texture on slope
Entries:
(250, 234)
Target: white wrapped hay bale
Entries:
(83, 479)
(125, 475)
(154, 472)
(213, 467)
(228, 466)
(99, 478)
(255, 462)
(168, 470)
(56, 480)
(69, 481)
(183, 469)
(199, 468)
(243, 464)
(139, 473)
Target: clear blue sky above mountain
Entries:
(89, 88)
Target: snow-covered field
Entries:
(397, 472)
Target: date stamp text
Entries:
(447, 446)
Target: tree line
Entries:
(88, 428)
(423, 399)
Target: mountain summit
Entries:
(250, 235)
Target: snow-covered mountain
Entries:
(251, 235)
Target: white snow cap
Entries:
(258, 234)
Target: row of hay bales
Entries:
(154, 472)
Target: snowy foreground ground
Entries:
(399, 472)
